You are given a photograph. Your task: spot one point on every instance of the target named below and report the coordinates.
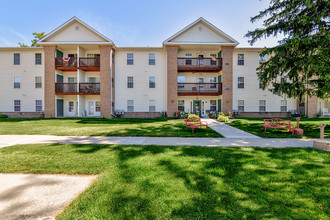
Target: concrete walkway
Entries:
(32, 196)
(228, 131)
(9, 140)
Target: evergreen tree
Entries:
(303, 56)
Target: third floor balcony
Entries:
(199, 64)
(71, 63)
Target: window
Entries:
(93, 80)
(241, 105)
(130, 82)
(213, 105)
(260, 85)
(17, 82)
(152, 82)
(262, 105)
(17, 105)
(130, 105)
(240, 60)
(71, 55)
(180, 80)
(38, 105)
(97, 106)
(188, 61)
(213, 80)
(38, 82)
(71, 79)
(38, 58)
(240, 82)
(152, 105)
(213, 60)
(284, 105)
(17, 59)
(152, 58)
(262, 58)
(130, 58)
(181, 105)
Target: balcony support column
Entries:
(49, 81)
(227, 78)
(172, 78)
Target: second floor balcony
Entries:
(201, 89)
(71, 63)
(77, 88)
(199, 64)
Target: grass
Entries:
(102, 127)
(309, 125)
(161, 182)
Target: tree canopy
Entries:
(37, 37)
(302, 57)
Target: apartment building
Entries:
(78, 72)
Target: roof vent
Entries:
(200, 28)
(76, 28)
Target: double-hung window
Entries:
(152, 59)
(152, 105)
(17, 105)
(262, 105)
(213, 105)
(130, 82)
(17, 59)
(262, 58)
(38, 82)
(130, 105)
(181, 105)
(130, 58)
(152, 82)
(17, 82)
(240, 59)
(240, 82)
(284, 105)
(38, 58)
(38, 105)
(213, 60)
(241, 105)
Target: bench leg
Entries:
(265, 129)
(192, 129)
(207, 128)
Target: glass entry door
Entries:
(197, 107)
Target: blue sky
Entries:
(129, 22)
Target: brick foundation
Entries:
(23, 114)
(142, 115)
(263, 115)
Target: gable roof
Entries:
(222, 34)
(67, 24)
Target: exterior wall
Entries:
(141, 70)
(206, 99)
(142, 115)
(227, 78)
(172, 74)
(49, 52)
(263, 115)
(251, 93)
(27, 71)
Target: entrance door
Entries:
(94, 108)
(201, 59)
(59, 53)
(91, 108)
(197, 107)
(71, 110)
(59, 108)
(59, 78)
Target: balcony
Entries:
(199, 64)
(70, 64)
(199, 89)
(89, 88)
(66, 88)
(71, 89)
(89, 64)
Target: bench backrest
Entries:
(193, 120)
(277, 122)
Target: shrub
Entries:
(174, 115)
(195, 117)
(223, 118)
(221, 114)
(3, 116)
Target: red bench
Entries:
(278, 123)
(195, 123)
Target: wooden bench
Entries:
(195, 123)
(278, 123)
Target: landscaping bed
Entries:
(256, 126)
(162, 182)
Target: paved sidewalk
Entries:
(9, 140)
(228, 131)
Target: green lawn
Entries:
(102, 127)
(158, 182)
(309, 125)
